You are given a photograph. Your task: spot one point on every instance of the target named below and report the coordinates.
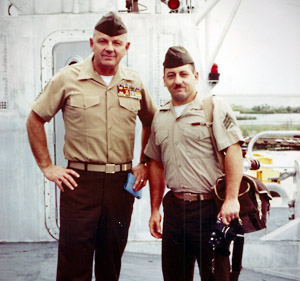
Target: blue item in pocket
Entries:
(129, 184)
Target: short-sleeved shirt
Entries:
(99, 119)
(183, 144)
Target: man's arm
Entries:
(38, 142)
(141, 171)
(157, 189)
(234, 173)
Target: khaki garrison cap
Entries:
(111, 25)
(177, 56)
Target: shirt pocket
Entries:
(130, 104)
(197, 141)
(83, 111)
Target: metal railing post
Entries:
(297, 181)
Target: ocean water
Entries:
(276, 101)
(271, 119)
(262, 99)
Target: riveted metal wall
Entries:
(27, 45)
(28, 200)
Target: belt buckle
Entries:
(110, 168)
(187, 197)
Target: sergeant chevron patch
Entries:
(227, 122)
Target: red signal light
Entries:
(214, 68)
(173, 4)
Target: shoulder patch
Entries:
(228, 122)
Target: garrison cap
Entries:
(177, 56)
(111, 25)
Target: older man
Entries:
(100, 100)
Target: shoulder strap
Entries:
(208, 111)
(237, 257)
(238, 245)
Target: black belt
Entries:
(105, 168)
(187, 196)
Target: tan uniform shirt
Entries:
(99, 121)
(184, 146)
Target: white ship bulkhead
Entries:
(40, 37)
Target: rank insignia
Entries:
(227, 122)
(129, 91)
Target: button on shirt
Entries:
(182, 143)
(99, 123)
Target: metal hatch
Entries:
(64, 48)
(59, 49)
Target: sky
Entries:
(260, 53)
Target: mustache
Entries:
(178, 86)
(108, 53)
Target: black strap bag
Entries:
(254, 199)
(254, 196)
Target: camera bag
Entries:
(254, 196)
(254, 199)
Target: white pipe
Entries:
(198, 18)
(157, 6)
(222, 37)
(3, 8)
(270, 133)
(208, 7)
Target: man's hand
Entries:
(154, 225)
(157, 189)
(141, 175)
(229, 210)
(59, 175)
(234, 173)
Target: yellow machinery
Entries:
(266, 175)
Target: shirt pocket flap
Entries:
(130, 104)
(196, 132)
(82, 101)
